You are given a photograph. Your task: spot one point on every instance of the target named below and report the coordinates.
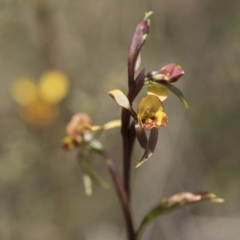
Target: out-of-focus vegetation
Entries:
(41, 190)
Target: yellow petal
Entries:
(69, 143)
(83, 128)
(161, 92)
(112, 124)
(161, 118)
(24, 91)
(120, 98)
(149, 106)
(53, 86)
(95, 128)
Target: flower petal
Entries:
(161, 92)
(150, 103)
(150, 146)
(122, 100)
(173, 71)
(69, 143)
(161, 119)
(112, 124)
(141, 135)
(77, 120)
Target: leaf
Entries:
(141, 135)
(95, 145)
(178, 93)
(87, 168)
(176, 202)
(150, 146)
(87, 184)
(175, 91)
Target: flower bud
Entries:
(168, 74)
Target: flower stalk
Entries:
(149, 116)
(123, 198)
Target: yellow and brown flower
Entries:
(150, 112)
(80, 131)
(76, 128)
(149, 116)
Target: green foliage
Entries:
(168, 205)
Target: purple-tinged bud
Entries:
(168, 74)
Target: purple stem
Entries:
(123, 199)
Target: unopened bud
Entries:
(168, 74)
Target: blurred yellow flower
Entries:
(39, 103)
(39, 114)
(24, 91)
(53, 86)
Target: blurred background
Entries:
(82, 47)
